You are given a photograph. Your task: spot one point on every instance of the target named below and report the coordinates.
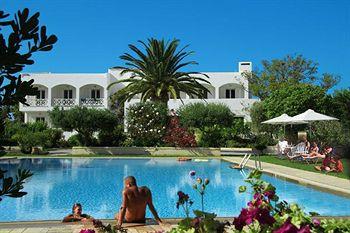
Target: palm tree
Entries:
(155, 74)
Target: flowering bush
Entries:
(146, 123)
(265, 214)
(177, 135)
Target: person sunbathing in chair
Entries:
(135, 200)
(314, 151)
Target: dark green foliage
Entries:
(201, 115)
(295, 99)
(331, 133)
(155, 73)
(147, 123)
(289, 70)
(113, 137)
(74, 140)
(340, 106)
(203, 222)
(23, 37)
(30, 135)
(261, 141)
(12, 187)
(86, 121)
(237, 135)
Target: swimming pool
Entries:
(97, 185)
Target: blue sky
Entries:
(94, 33)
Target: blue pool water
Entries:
(97, 185)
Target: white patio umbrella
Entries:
(310, 116)
(284, 120)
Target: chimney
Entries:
(244, 66)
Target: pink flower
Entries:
(86, 231)
(287, 227)
(316, 222)
(269, 194)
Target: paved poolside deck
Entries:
(324, 182)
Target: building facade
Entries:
(91, 90)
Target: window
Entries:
(230, 93)
(95, 94)
(68, 94)
(40, 119)
(40, 94)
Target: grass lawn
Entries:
(305, 166)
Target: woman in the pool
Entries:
(77, 215)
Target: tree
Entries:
(340, 106)
(156, 73)
(146, 123)
(19, 39)
(295, 99)
(86, 121)
(201, 115)
(289, 70)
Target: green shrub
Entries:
(113, 137)
(74, 140)
(11, 128)
(146, 123)
(36, 134)
(329, 133)
(201, 115)
(86, 121)
(261, 141)
(214, 136)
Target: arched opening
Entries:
(207, 95)
(231, 91)
(63, 95)
(91, 95)
(40, 99)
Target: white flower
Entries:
(147, 115)
(151, 130)
(157, 113)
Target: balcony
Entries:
(62, 102)
(92, 102)
(37, 102)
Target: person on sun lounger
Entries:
(135, 200)
(314, 151)
(77, 215)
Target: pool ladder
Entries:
(246, 159)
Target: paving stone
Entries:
(17, 230)
(5, 230)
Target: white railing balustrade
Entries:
(32, 102)
(63, 102)
(92, 102)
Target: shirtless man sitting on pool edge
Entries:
(135, 200)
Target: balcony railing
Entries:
(92, 102)
(37, 102)
(63, 102)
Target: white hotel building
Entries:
(90, 90)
